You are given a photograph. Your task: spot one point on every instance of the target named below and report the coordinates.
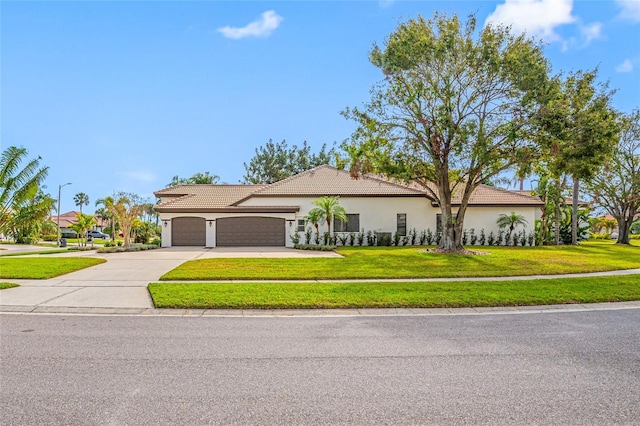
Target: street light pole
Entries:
(59, 192)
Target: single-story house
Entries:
(268, 215)
(70, 218)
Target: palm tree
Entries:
(29, 217)
(81, 199)
(84, 223)
(329, 208)
(17, 185)
(314, 217)
(511, 221)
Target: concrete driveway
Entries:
(121, 282)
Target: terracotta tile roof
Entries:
(69, 218)
(203, 196)
(323, 180)
(486, 195)
(327, 180)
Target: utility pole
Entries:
(59, 193)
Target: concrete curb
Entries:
(297, 313)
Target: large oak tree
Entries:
(616, 187)
(454, 110)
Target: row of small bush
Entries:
(314, 247)
(108, 244)
(80, 248)
(600, 235)
(413, 238)
(121, 249)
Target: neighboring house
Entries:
(69, 218)
(267, 215)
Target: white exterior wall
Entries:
(485, 218)
(380, 213)
(376, 214)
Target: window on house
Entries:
(352, 225)
(401, 224)
(301, 225)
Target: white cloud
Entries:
(591, 32)
(630, 9)
(385, 3)
(138, 175)
(535, 17)
(625, 66)
(263, 27)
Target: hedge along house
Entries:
(268, 215)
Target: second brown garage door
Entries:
(250, 231)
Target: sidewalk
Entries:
(119, 287)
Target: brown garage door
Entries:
(250, 231)
(188, 231)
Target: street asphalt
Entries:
(579, 368)
(119, 286)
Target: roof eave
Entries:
(248, 209)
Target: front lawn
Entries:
(43, 268)
(7, 285)
(413, 262)
(395, 295)
(25, 253)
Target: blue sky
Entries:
(125, 95)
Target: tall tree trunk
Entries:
(574, 211)
(450, 240)
(556, 222)
(624, 224)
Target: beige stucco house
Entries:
(267, 215)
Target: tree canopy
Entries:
(125, 209)
(81, 199)
(21, 198)
(616, 185)
(454, 110)
(578, 130)
(276, 161)
(196, 179)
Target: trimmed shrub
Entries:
(473, 238)
(315, 247)
(371, 238)
(423, 237)
(430, 237)
(295, 238)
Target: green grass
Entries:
(412, 262)
(7, 285)
(395, 294)
(25, 253)
(43, 268)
